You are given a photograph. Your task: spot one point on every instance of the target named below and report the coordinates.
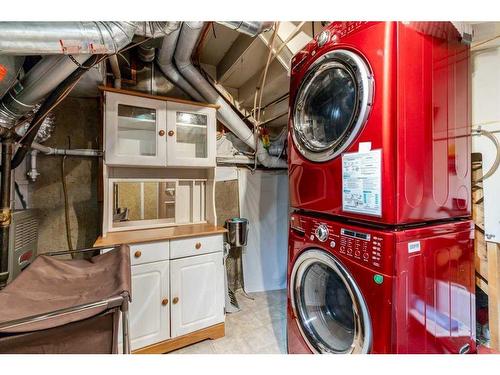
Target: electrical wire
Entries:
(496, 162)
(66, 204)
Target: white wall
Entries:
(264, 202)
(486, 114)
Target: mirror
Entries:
(139, 202)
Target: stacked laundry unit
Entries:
(381, 241)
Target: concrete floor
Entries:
(259, 328)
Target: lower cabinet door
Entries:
(197, 291)
(149, 310)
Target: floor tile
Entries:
(258, 328)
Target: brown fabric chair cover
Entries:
(95, 335)
(50, 284)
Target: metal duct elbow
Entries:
(189, 35)
(251, 28)
(166, 64)
(156, 29)
(267, 160)
(49, 38)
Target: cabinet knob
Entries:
(161, 133)
(164, 301)
(175, 300)
(198, 246)
(138, 254)
(171, 133)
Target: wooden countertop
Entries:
(158, 234)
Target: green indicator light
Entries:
(379, 279)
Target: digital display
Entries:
(353, 234)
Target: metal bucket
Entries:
(237, 231)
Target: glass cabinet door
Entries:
(135, 130)
(191, 135)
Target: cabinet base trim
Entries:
(214, 332)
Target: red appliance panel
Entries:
(434, 290)
(420, 119)
(425, 303)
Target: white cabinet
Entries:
(197, 291)
(149, 310)
(148, 132)
(135, 131)
(191, 135)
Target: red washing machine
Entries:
(380, 123)
(362, 289)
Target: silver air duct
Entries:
(38, 82)
(167, 66)
(49, 38)
(252, 28)
(189, 35)
(156, 29)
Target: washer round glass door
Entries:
(331, 312)
(332, 105)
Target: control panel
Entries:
(361, 246)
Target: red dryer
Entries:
(362, 289)
(379, 126)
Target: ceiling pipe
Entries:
(251, 28)
(50, 38)
(84, 152)
(188, 38)
(115, 68)
(40, 80)
(167, 66)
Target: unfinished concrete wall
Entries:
(79, 120)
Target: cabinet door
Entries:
(135, 131)
(149, 310)
(197, 291)
(191, 135)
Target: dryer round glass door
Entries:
(331, 312)
(332, 105)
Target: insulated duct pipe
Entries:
(251, 28)
(49, 103)
(42, 79)
(167, 66)
(50, 38)
(189, 35)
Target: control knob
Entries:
(322, 233)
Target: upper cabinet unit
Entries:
(148, 131)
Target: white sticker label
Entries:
(361, 182)
(413, 247)
(364, 146)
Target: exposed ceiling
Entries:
(236, 63)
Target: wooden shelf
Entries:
(158, 234)
(164, 98)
